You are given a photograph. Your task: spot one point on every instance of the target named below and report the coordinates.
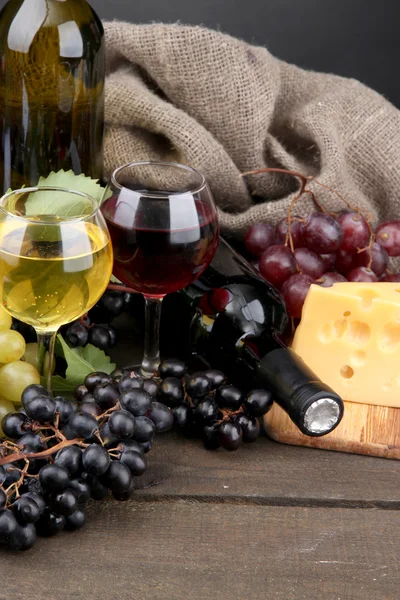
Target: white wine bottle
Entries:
(52, 61)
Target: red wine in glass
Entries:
(151, 254)
(164, 229)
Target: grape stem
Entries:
(227, 414)
(304, 181)
(57, 433)
(16, 456)
(14, 487)
(108, 412)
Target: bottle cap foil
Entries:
(322, 416)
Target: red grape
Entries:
(309, 263)
(328, 279)
(322, 233)
(394, 278)
(362, 274)
(204, 305)
(296, 229)
(294, 292)
(388, 236)
(380, 259)
(219, 299)
(215, 301)
(259, 237)
(356, 233)
(328, 260)
(277, 264)
(345, 262)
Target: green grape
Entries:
(5, 408)
(5, 320)
(12, 346)
(32, 354)
(14, 378)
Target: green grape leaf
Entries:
(81, 362)
(66, 205)
(60, 386)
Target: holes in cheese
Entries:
(358, 333)
(326, 333)
(347, 372)
(358, 358)
(349, 335)
(389, 337)
(367, 297)
(340, 327)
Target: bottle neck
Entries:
(312, 405)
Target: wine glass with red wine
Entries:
(164, 229)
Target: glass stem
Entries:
(151, 358)
(46, 345)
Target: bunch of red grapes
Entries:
(322, 249)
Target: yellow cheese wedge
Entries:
(349, 335)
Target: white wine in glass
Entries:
(55, 259)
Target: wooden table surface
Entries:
(269, 522)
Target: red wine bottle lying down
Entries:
(239, 324)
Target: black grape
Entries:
(54, 478)
(118, 477)
(50, 524)
(136, 463)
(75, 521)
(230, 435)
(81, 489)
(24, 537)
(95, 379)
(258, 403)
(144, 430)
(161, 416)
(198, 385)
(106, 395)
(250, 427)
(13, 425)
(64, 408)
(172, 367)
(71, 459)
(8, 525)
(171, 392)
(65, 503)
(122, 424)
(136, 401)
(26, 510)
(83, 426)
(96, 460)
(228, 396)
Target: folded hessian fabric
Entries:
(199, 97)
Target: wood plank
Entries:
(365, 429)
(186, 551)
(269, 473)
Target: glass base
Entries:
(138, 368)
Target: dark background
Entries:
(355, 38)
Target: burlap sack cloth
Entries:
(195, 96)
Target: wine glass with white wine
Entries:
(55, 260)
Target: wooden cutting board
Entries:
(364, 429)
